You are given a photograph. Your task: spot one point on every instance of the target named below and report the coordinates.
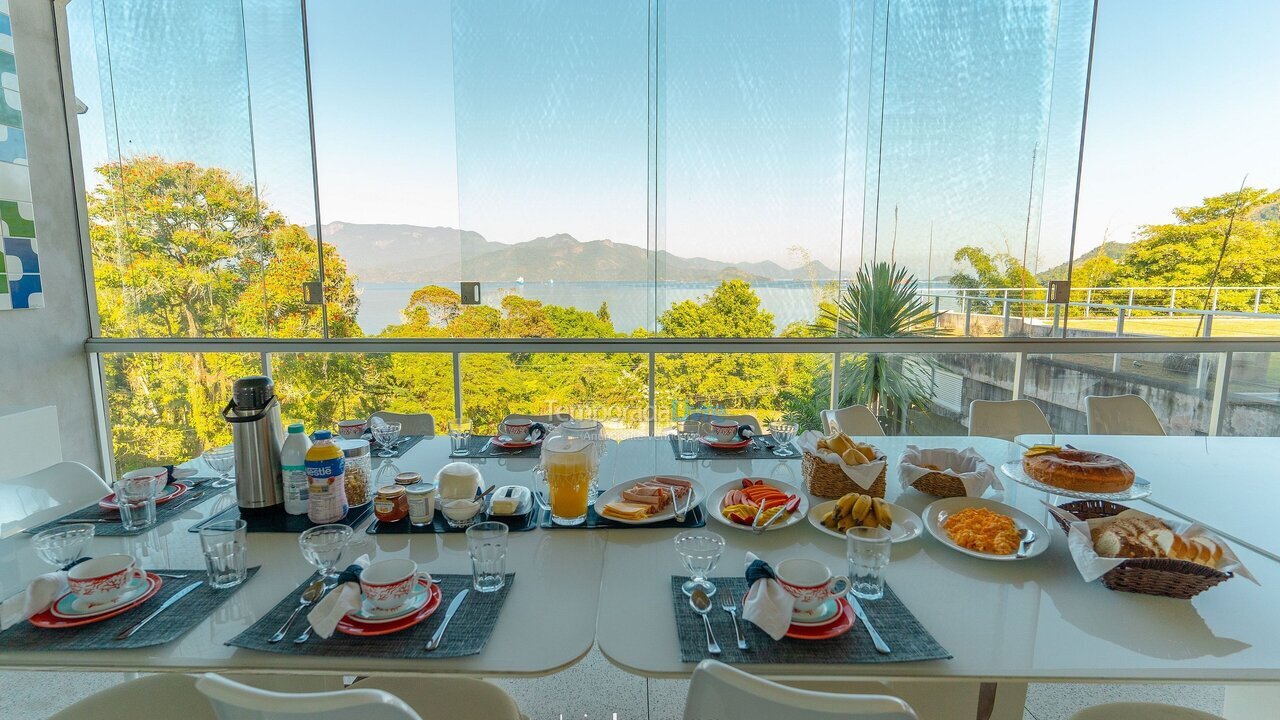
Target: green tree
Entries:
(998, 270)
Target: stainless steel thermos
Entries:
(256, 432)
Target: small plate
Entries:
(906, 524)
(73, 607)
(369, 615)
(615, 493)
(939, 510)
(717, 496)
(825, 613)
(1013, 470)
(171, 491)
(837, 626)
(47, 619)
(503, 441)
(350, 626)
(719, 445)
(183, 473)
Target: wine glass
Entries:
(386, 435)
(700, 550)
(61, 546)
(221, 460)
(322, 546)
(782, 433)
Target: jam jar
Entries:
(391, 504)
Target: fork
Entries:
(732, 608)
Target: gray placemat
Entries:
(904, 634)
(403, 444)
(762, 449)
(478, 442)
(169, 625)
(164, 512)
(467, 634)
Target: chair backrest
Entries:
(1142, 711)
(852, 420)
(1120, 415)
(233, 701)
(722, 692)
(1006, 419)
(555, 419)
(43, 495)
(693, 423)
(159, 695)
(410, 423)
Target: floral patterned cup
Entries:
(809, 582)
(388, 584)
(102, 579)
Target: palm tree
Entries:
(882, 301)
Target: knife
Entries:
(485, 447)
(188, 500)
(880, 644)
(167, 604)
(448, 615)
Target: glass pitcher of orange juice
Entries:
(567, 471)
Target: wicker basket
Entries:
(939, 484)
(1181, 579)
(826, 480)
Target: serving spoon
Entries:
(1028, 539)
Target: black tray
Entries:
(514, 523)
(282, 521)
(695, 518)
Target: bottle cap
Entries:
(322, 435)
(296, 428)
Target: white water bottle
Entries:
(293, 466)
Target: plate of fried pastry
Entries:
(1071, 472)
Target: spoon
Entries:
(308, 597)
(1028, 538)
(701, 604)
(480, 495)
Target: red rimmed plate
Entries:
(351, 626)
(47, 619)
(838, 625)
(735, 445)
(515, 444)
(174, 490)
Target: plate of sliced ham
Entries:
(649, 499)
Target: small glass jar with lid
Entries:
(360, 481)
(391, 504)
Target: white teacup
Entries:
(724, 430)
(388, 584)
(102, 579)
(517, 430)
(351, 429)
(809, 582)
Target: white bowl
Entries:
(461, 510)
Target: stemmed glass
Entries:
(61, 546)
(782, 433)
(386, 435)
(322, 546)
(700, 550)
(221, 460)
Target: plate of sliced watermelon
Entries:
(737, 503)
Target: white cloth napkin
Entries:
(973, 471)
(345, 598)
(42, 591)
(864, 476)
(768, 605)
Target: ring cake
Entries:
(1077, 470)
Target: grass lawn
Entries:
(1180, 326)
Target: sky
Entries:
(524, 120)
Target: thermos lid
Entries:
(252, 392)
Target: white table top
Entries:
(1229, 484)
(547, 622)
(1030, 620)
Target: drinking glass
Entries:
(687, 443)
(386, 435)
(460, 437)
(61, 546)
(700, 550)
(322, 546)
(868, 554)
(223, 544)
(782, 433)
(221, 460)
(136, 497)
(487, 544)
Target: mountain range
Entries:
(1110, 248)
(411, 253)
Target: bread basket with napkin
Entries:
(946, 472)
(829, 476)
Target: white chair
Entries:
(421, 698)
(693, 423)
(410, 423)
(852, 420)
(721, 692)
(1120, 415)
(1006, 419)
(1142, 711)
(151, 696)
(38, 497)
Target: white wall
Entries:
(42, 358)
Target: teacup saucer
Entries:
(370, 615)
(819, 616)
(717, 442)
(508, 442)
(73, 607)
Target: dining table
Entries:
(1227, 484)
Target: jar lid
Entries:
(353, 448)
(408, 478)
(420, 489)
(390, 491)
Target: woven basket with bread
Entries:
(836, 465)
(1159, 560)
